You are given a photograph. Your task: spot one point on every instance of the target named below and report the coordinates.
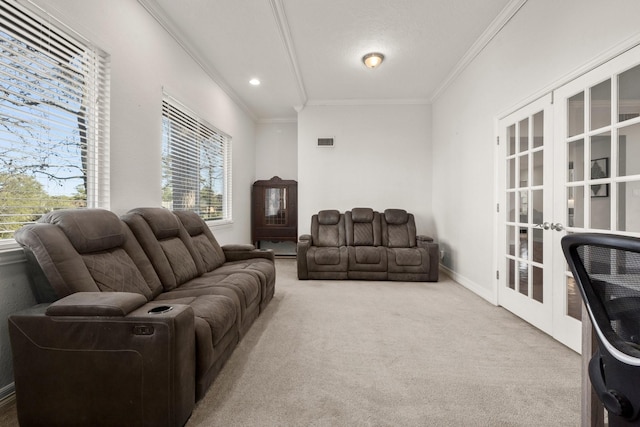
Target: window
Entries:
(196, 164)
(54, 123)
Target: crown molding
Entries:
(165, 21)
(282, 23)
(345, 102)
(278, 120)
(485, 38)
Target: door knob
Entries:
(544, 225)
(557, 226)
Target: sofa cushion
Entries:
(115, 271)
(407, 256)
(203, 240)
(362, 214)
(163, 222)
(172, 259)
(88, 230)
(396, 216)
(328, 217)
(363, 234)
(368, 255)
(327, 256)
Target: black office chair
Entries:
(607, 271)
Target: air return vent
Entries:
(325, 142)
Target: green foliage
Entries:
(23, 200)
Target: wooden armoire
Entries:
(274, 210)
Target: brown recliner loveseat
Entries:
(363, 244)
(148, 308)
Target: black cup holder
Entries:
(160, 309)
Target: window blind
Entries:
(54, 118)
(196, 164)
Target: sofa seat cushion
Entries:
(218, 311)
(368, 255)
(248, 284)
(327, 259)
(409, 260)
(260, 267)
(326, 256)
(365, 258)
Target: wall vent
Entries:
(325, 142)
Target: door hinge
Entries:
(497, 140)
(497, 274)
(498, 207)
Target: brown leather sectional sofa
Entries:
(363, 244)
(146, 310)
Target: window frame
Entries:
(193, 133)
(39, 44)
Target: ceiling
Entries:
(308, 52)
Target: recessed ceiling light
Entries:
(254, 82)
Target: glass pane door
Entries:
(598, 160)
(524, 280)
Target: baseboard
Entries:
(7, 395)
(481, 291)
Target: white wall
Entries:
(545, 41)
(277, 150)
(381, 159)
(144, 60)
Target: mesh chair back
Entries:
(606, 269)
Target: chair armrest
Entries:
(433, 250)
(113, 304)
(304, 242)
(241, 252)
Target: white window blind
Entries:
(196, 164)
(54, 118)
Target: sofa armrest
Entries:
(239, 252)
(433, 250)
(113, 304)
(306, 238)
(304, 243)
(423, 238)
(132, 361)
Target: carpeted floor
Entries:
(350, 353)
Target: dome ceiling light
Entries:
(372, 60)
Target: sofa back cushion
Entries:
(204, 241)
(166, 243)
(363, 227)
(86, 250)
(399, 229)
(327, 228)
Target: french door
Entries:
(568, 167)
(526, 208)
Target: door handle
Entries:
(545, 226)
(557, 226)
(550, 226)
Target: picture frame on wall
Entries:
(599, 170)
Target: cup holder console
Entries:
(160, 309)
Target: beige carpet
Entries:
(350, 353)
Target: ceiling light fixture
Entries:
(372, 60)
(254, 82)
